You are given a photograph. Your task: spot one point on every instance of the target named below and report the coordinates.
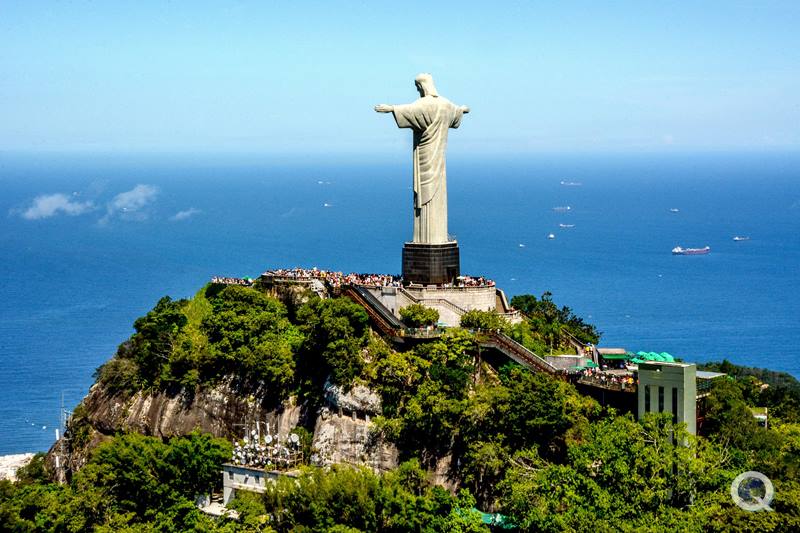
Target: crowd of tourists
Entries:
(469, 281)
(369, 280)
(231, 281)
(338, 279)
(296, 273)
(606, 379)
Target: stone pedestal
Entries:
(429, 264)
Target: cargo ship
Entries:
(690, 251)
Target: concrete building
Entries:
(450, 302)
(239, 477)
(669, 388)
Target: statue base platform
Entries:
(431, 264)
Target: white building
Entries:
(239, 477)
(669, 388)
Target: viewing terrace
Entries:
(246, 282)
(618, 380)
(337, 280)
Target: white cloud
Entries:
(134, 199)
(49, 205)
(129, 204)
(185, 214)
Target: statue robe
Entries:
(430, 117)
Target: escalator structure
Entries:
(516, 352)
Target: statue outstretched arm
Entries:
(384, 108)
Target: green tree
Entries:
(522, 410)
(544, 313)
(395, 375)
(249, 334)
(352, 499)
(730, 422)
(623, 475)
(252, 513)
(418, 316)
(141, 359)
(32, 506)
(119, 374)
(427, 393)
(336, 331)
(135, 479)
(35, 471)
(483, 320)
(524, 333)
(320, 500)
(195, 460)
(132, 471)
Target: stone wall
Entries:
(450, 302)
(349, 437)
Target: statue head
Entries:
(424, 83)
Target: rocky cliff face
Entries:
(342, 429)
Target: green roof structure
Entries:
(643, 357)
(616, 356)
(496, 520)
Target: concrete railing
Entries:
(421, 333)
(459, 311)
(440, 288)
(438, 301)
(511, 316)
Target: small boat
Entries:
(551, 236)
(690, 251)
(566, 225)
(562, 208)
(674, 210)
(738, 238)
(571, 183)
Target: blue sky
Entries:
(302, 77)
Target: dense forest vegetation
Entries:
(523, 444)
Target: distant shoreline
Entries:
(9, 464)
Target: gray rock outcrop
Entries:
(343, 431)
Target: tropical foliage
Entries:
(527, 445)
(352, 499)
(547, 323)
(242, 332)
(131, 483)
(418, 316)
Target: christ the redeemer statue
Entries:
(430, 117)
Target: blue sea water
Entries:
(72, 285)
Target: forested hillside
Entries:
(511, 441)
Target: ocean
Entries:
(73, 283)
